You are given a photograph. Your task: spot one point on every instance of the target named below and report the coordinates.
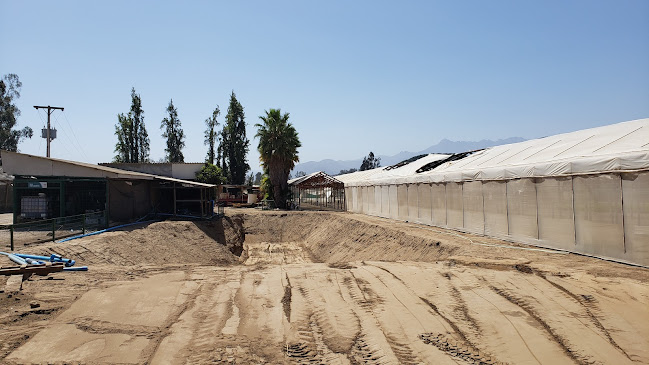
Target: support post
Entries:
(62, 199)
(11, 237)
(202, 203)
(106, 207)
(15, 202)
(6, 205)
(175, 212)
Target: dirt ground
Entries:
(322, 288)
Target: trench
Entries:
(323, 287)
(336, 238)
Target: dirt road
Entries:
(287, 301)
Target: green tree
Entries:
(234, 143)
(210, 174)
(132, 137)
(10, 86)
(342, 172)
(174, 134)
(212, 135)
(266, 187)
(370, 162)
(220, 157)
(257, 179)
(278, 144)
(123, 131)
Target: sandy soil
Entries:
(331, 288)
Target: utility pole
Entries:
(50, 109)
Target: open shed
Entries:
(317, 190)
(50, 188)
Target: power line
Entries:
(75, 136)
(71, 142)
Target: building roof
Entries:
(316, 179)
(617, 147)
(390, 172)
(149, 163)
(29, 165)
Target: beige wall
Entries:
(604, 215)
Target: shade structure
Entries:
(321, 191)
(585, 191)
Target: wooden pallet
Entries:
(29, 270)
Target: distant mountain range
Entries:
(333, 167)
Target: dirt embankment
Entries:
(218, 242)
(323, 287)
(335, 237)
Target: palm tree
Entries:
(278, 144)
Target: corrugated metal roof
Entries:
(24, 164)
(325, 179)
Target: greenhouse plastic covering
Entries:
(617, 147)
(585, 192)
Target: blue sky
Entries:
(355, 76)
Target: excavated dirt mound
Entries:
(337, 237)
(334, 237)
(270, 287)
(169, 242)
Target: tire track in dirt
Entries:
(364, 350)
(566, 316)
(216, 308)
(452, 324)
(464, 349)
(258, 313)
(165, 330)
(402, 331)
(304, 346)
(286, 299)
(301, 347)
(461, 351)
(589, 304)
(521, 303)
(463, 310)
(90, 325)
(370, 346)
(10, 340)
(326, 323)
(491, 304)
(209, 331)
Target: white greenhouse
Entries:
(585, 192)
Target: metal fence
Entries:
(19, 235)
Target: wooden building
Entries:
(49, 188)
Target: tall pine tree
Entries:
(234, 143)
(370, 162)
(211, 136)
(174, 134)
(132, 137)
(124, 133)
